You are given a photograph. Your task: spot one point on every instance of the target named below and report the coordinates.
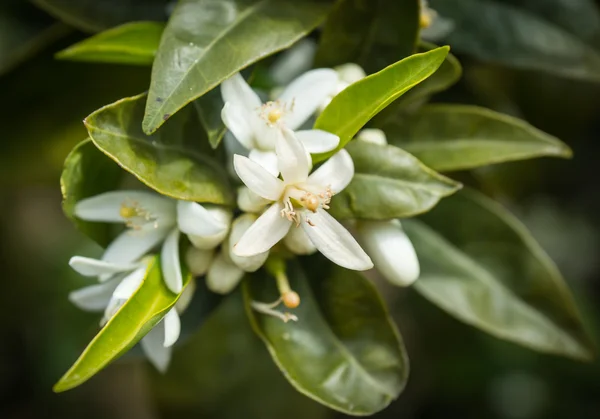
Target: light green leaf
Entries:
(132, 43)
(480, 264)
(344, 351)
(175, 161)
(457, 137)
(209, 109)
(350, 110)
(527, 34)
(95, 16)
(371, 33)
(131, 323)
(88, 172)
(202, 33)
(389, 183)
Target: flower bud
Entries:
(238, 228)
(372, 135)
(198, 260)
(298, 242)
(223, 276)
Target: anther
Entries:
(274, 115)
(311, 202)
(127, 212)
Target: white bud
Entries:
(223, 276)
(298, 242)
(391, 251)
(210, 242)
(372, 135)
(350, 73)
(238, 228)
(198, 260)
(248, 201)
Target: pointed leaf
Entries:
(200, 33)
(481, 265)
(350, 110)
(88, 172)
(457, 137)
(551, 36)
(132, 43)
(146, 307)
(171, 161)
(344, 351)
(388, 183)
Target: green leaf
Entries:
(146, 307)
(95, 16)
(172, 161)
(371, 33)
(388, 183)
(88, 172)
(479, 264)
(457, 137)
(209, 109)
(354, 106)
(344, 351)
(132, 43)
(200, 33)
(527, 34)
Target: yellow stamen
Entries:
(274, 115)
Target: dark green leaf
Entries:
(481, 265)
(172, 161)
(88, 172)
(371, 33)
(350, 110)
(514, 34)
(132, 43)
(207, 41)
(344, 351)
(96, 15)
(131, 323)
(209, 109)
(389, 183)
(456, 137)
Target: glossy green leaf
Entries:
(132, 43)
(456, 137)
(354, 106)
(88, 172)
(480, 264)
(172, 161)
(388, 183)
(527, 34)
(344, 351)
(202, 33)
(209, 109)
(146, 307)
(95, 15)
(371, 33)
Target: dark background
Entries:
(223, 371)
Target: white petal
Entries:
(337, 172)
(258, 179)
(293, 62)
(208, 242)
(107, 206)
(95, 297)
(154, 348)
(186, 296)
(130, 284)
(172, 326)
(237, 120)
(267, 159)
(265, 134)
(306, 93)
(372, 135)
(266, 231)
(236, 91)
(317, 141)
(131, 245)
(298, 242)
(193, 218)
(350, 73)
(223, 276)
(238, 228)
(169, 260)
(392, 251)
(95, 267)
(292, 158)
(248, 201)
(111, 309)
(198, 260)
(335, 242)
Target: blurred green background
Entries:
(223, 371)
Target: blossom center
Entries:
(136, 216)
(307, 197)
(271, 112)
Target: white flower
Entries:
(433, 26)
(152, 219)
(346, 75)
(302, 200)
(392, 251)
(255, 125)
(117, 284)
